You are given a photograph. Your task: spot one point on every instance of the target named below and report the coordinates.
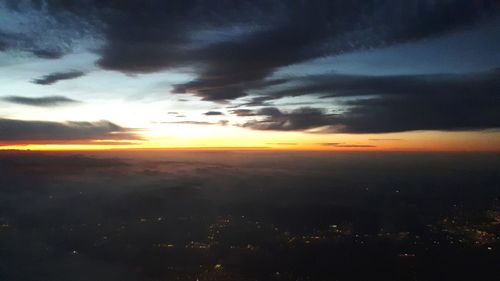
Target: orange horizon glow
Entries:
(86, 147)
(230, 138)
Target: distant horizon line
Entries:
(258, 148)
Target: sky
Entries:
(303, 75)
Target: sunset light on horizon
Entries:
(249, 140)
(70, 78)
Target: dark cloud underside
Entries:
(142, 37)
(233, 49)
(395, 104)
(26, 131)
(299, 119)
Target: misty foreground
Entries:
(249, 215)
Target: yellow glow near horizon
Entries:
(187, 136)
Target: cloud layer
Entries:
(52, 78)
(48, 101)
(379, 104)
(234, 50)
(50, 132)
(234, 47)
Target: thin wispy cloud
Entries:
(213, 113)
(190, 122)
(52, 78)
(48, 101)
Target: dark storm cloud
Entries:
(143, 37)
(57, 76)
(395, 104)
(212, 113)
(48, 101)
(26, 131)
